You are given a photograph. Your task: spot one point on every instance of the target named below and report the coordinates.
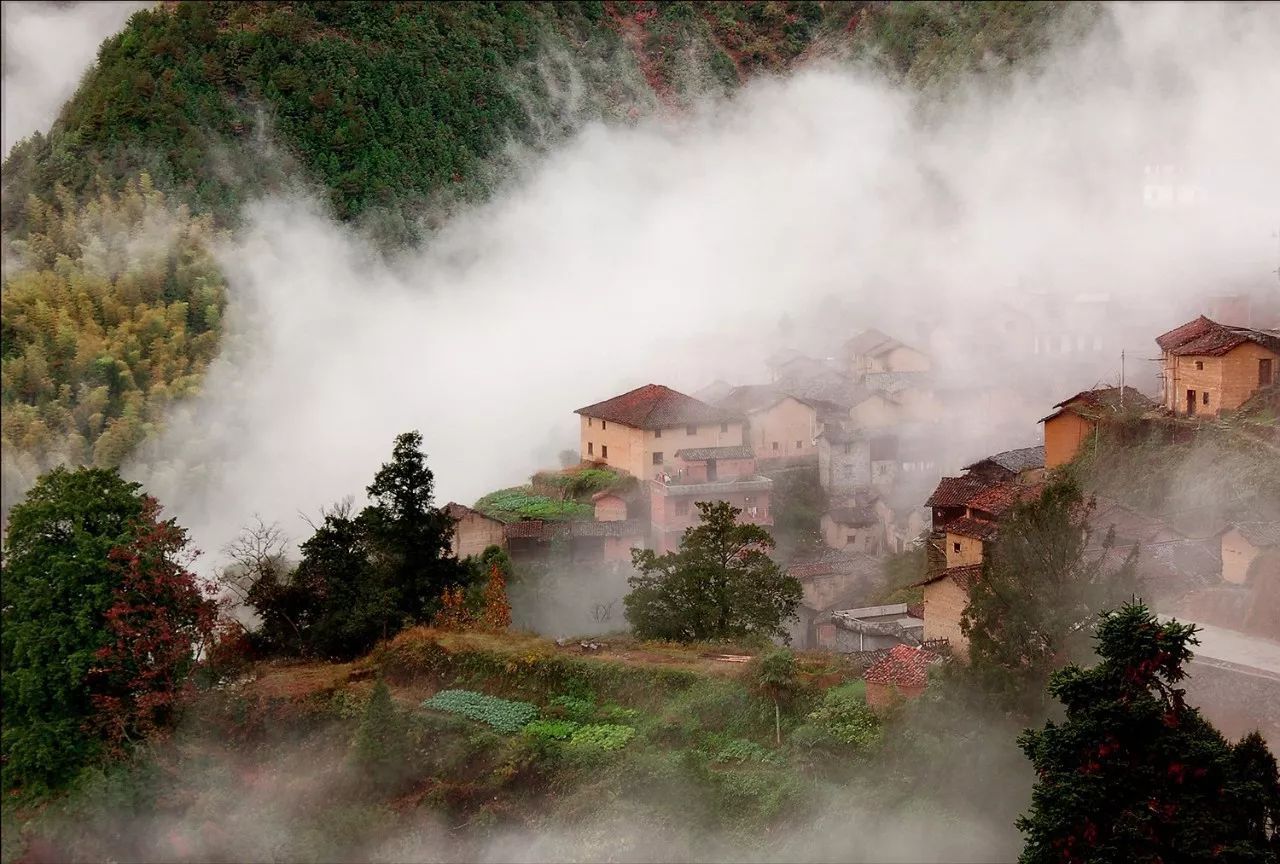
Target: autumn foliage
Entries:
(160, 619)
(493, 615)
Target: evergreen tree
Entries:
(1134, 774)
(720, 584)
(412, 537)
(100, 620)
(381, 742)
(1040, 592)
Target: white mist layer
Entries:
(667, 251)
(47, 48)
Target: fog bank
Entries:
(668, 250)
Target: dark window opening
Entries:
(589, 446)
(1264, 373)
(1199, 365)
(657, 458)
(1206, 397)
(775, 445)
(956, 546)
(604, 424)
(588, 422)
(691, 430)
(724, 427)
(657, 433)
(604, 451)
(798, 445)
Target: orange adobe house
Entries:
(1209, 367)
(640, 431)
(1075, 419)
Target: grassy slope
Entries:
(702, 767)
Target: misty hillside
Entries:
(396, 113)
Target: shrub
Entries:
(502, 714)
(604, 737)
(843, 719)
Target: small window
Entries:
(775, 445)
(657, 458)
(691, 430)
(589, 450)
(1206, 397)
(604, 424)
(588, 422)
(604, 451)
(1199, 364)
(799, 446)
(851, 538)
(956, 546)
(724, 427)
(657, 433)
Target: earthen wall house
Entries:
(640, 431)
(1207, 367)
(473, 532)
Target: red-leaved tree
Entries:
(495, 614)
(161, 619)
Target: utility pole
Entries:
(1121, 379)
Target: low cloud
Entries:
(667, 251)
(47, 48)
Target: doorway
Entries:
(1191, 401)
(711, 469)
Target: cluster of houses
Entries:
(866, 420)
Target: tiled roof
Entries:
(654, 406)
(1102, 400)
(1261, 535)
(1023, 459)
(893, 382)
(1185, 333)
(998, 498)
(902, 665)
(750, 397)
(461, 511)
(858, 517)
(810, 570)
(700, 454)
(869, 342)
(978, 529)
(964, 575)
(1205, 337)
(956, 491)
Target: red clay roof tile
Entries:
(903, 665)
(654, 406)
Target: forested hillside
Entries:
(395, 113)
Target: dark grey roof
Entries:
(699, 454)
(858, 517)
(1261, 535)
(1023, 459)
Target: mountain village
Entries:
(867, 422)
